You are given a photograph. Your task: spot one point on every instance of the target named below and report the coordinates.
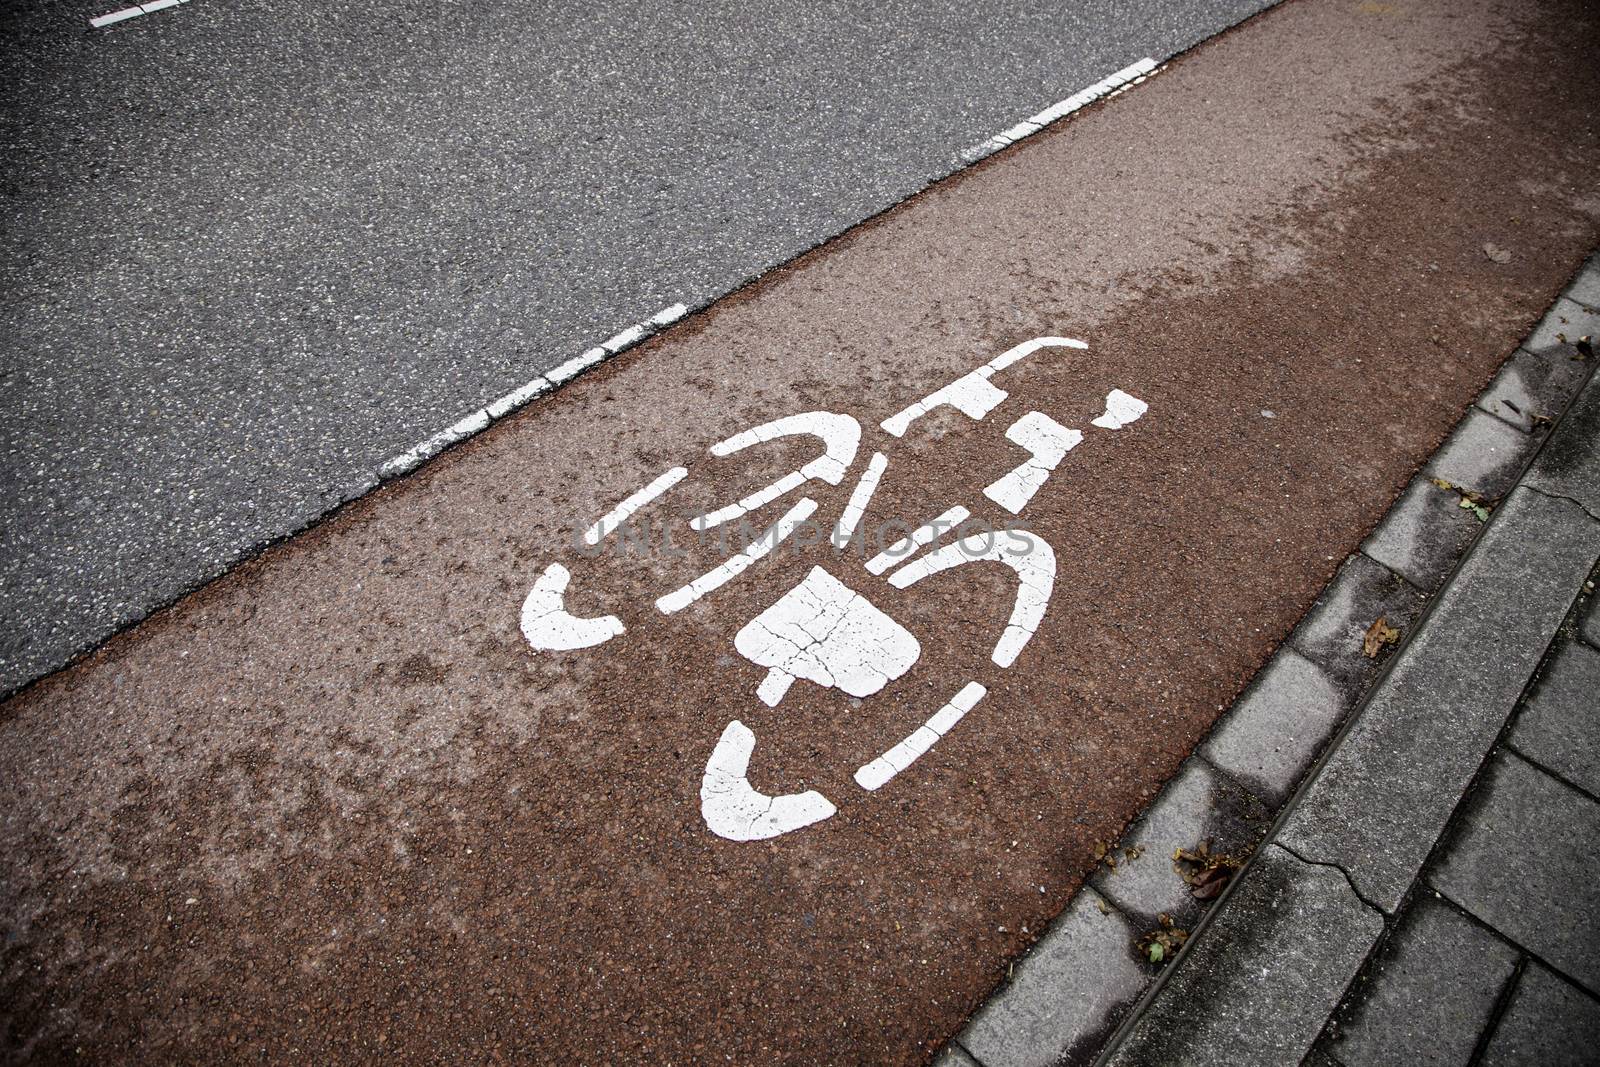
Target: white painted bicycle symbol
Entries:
(823, 631)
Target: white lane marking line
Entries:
(860, 497)
(1121, 409)
(736, 565)
(620, 514)
(1108, 86)
(669, 315)
(734, 809)
(576, 365)
(973, 394)
(631, 336)
(1030, 556)
(518, 397)
(876, 774)
(479, 420)
(840, 436)
(114, 17)
(546, 624)
(928, 531)
(1048, 443)
(967, 396)
(827, 633)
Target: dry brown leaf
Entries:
(1380, 633)
(1208, 884)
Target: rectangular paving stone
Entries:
(1569, 464)
(1269, 739)
(1559, 725)
(1423, 534)
(1483, 454)
(1549, 1022)
(1530, 385)
(1525, 862)
(1332, 632)
(1262, 978)
(1199, 804)
(1066, 995)
(1381, 801)
(1429, 995)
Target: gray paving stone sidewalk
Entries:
(1429, 892)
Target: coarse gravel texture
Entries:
(251, 251)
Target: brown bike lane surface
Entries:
(336, 806)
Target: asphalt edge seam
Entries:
(256, 550)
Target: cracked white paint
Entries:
(737, 564)
(825, 632)
(1121, 409)
(840, 436)
(623, 511)
(1048, 443)
(860, 497)
(1029, 555)
(821, 630)
(928, 531)
(548, 627)
(973, 394)
(734, 809)
(876, 774)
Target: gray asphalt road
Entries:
(253, 250)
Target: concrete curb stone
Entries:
(1387, 792)
(1200, 804)
(1258, 986)
(1482, 454)
(1563, 325)
(1332, 632)
(1065, 995)
(1532, 385)
(1585, 288)
(1423, 535)
(1274, 732)
(1569, 465)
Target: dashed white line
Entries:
(479, 420)
(973, 395)
(114, 17)
(1109, 86)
